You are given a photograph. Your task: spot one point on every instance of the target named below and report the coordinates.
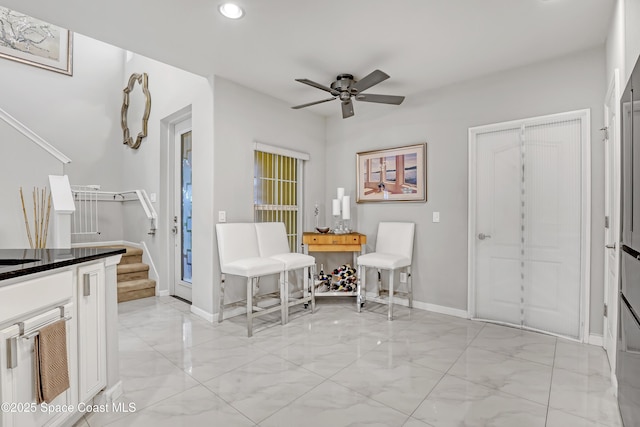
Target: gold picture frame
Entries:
(143, 80)
(34, 42)
(392, 175)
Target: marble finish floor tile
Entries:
(587, 396)
(398, 384)
(519, 377)
(458, 403)
(557, 418)
(513, 342)
(331, 404)
(582, 359)
(213, 358)
(337, 367)
(437, 353)
(191, 408)
(262, 387)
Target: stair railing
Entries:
(85, 219)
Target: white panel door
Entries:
(527, 224)
(551, 227)
(497, 234)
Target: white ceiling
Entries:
(422, 44)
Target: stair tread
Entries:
(132, 268)
(131, 251)
(132, 285)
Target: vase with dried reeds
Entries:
(41, 215)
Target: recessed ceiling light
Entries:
(231, 10)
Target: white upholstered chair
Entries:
(394, 251)
(239, 256)
(273, 243)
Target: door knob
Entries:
(483, 236)
(610, 246)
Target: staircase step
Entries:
(135, 271)
(132, 256)
(136, 289)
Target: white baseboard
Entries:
(164, 293)
(425, 306)
(107, 396)
(596, 340)
(201, 313)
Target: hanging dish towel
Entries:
(51, 370)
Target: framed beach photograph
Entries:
(33, 42)
(392, 175)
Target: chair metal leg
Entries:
(221, 298)
(391, 274)
(379, 282)
(250, 281)
(313, 287)
(360, 284)
(410, 286)
(284, 304)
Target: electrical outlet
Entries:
(403, 277)
(436, 217)
(222, 216)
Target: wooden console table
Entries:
(329, 242)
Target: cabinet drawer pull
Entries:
(86, 284)
(12, 352)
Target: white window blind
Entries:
(277, 184)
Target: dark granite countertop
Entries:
(29, 261)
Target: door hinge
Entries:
(605, 130)
(606, 311)
(606, 221)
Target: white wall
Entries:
(146, 168)
(242, 117)
(442, 118)
(79, 115)
(20, 158)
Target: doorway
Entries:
(529, 223)
(182, 184)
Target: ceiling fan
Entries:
(345, 87)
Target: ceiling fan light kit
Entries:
(345, 87)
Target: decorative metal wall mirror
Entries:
(142, 79)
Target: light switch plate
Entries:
(153, 197)
(222, 216)
(403, 277)
(436, 217)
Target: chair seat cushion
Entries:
(293, 260)
(252, 267)
(383, 261)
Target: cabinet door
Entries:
(17, 383)
(91, 331)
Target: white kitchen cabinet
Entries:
(17, 385)
(92, 364)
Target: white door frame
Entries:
(585, 214)
(612, 174)
(179, 128)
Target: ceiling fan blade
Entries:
(312, 103)
(371, 79)
(347, 109)
(319, 86)
(383, 99)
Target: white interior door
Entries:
(497, 236)
(182, 197)
(527, 223)
(552, 227)
(612, 220)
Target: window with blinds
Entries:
(277, 185)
